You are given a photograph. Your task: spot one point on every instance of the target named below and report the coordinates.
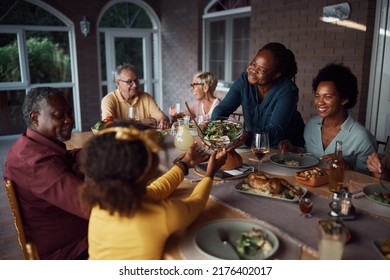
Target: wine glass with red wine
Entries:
(305, 205)
(260, 145)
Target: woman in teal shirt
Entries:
(335, 92)
(268, 95)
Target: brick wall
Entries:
(181, 31)
(315, 43)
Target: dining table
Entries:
(298, 236)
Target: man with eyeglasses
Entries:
(127, 102)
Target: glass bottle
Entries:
(183, 138)
(336, 176)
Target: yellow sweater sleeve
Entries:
(182, 212)
(162, 187)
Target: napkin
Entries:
(242, 170)
(223, 174)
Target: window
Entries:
(34, 51)
(226, 38)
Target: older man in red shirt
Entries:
(47, 179)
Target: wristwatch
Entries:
(183, 166)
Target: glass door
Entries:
(122, 47)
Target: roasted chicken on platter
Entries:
(259, 180)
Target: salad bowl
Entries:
(220, 134)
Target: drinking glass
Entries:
(200, 119)
(306, 205)
(260, 145)
(132, 114)
(331, 243)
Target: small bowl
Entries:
(312, 177)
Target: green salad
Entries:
(219, 129)
(101, 124)
(98, 125)
(378, 196)
(252, 242)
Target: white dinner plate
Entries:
(304, 160)
(207, 240)
(376, 188)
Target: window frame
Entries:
(25, 83)
(228, 16)
(21, 42)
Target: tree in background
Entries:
(48, 62)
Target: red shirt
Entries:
(48, 192)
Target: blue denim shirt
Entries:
(277, 113)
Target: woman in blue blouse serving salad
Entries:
(268, 95)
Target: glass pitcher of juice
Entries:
(182, 136)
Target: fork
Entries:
(224, 237)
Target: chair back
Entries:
(29, 250)
(383, 146)
(32, 251)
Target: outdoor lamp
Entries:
(84, 26)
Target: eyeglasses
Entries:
(129, 82)
(257, 69)
(196, 84)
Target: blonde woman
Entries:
(203, 86)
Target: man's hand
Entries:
(163, 124)
(149, 121)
